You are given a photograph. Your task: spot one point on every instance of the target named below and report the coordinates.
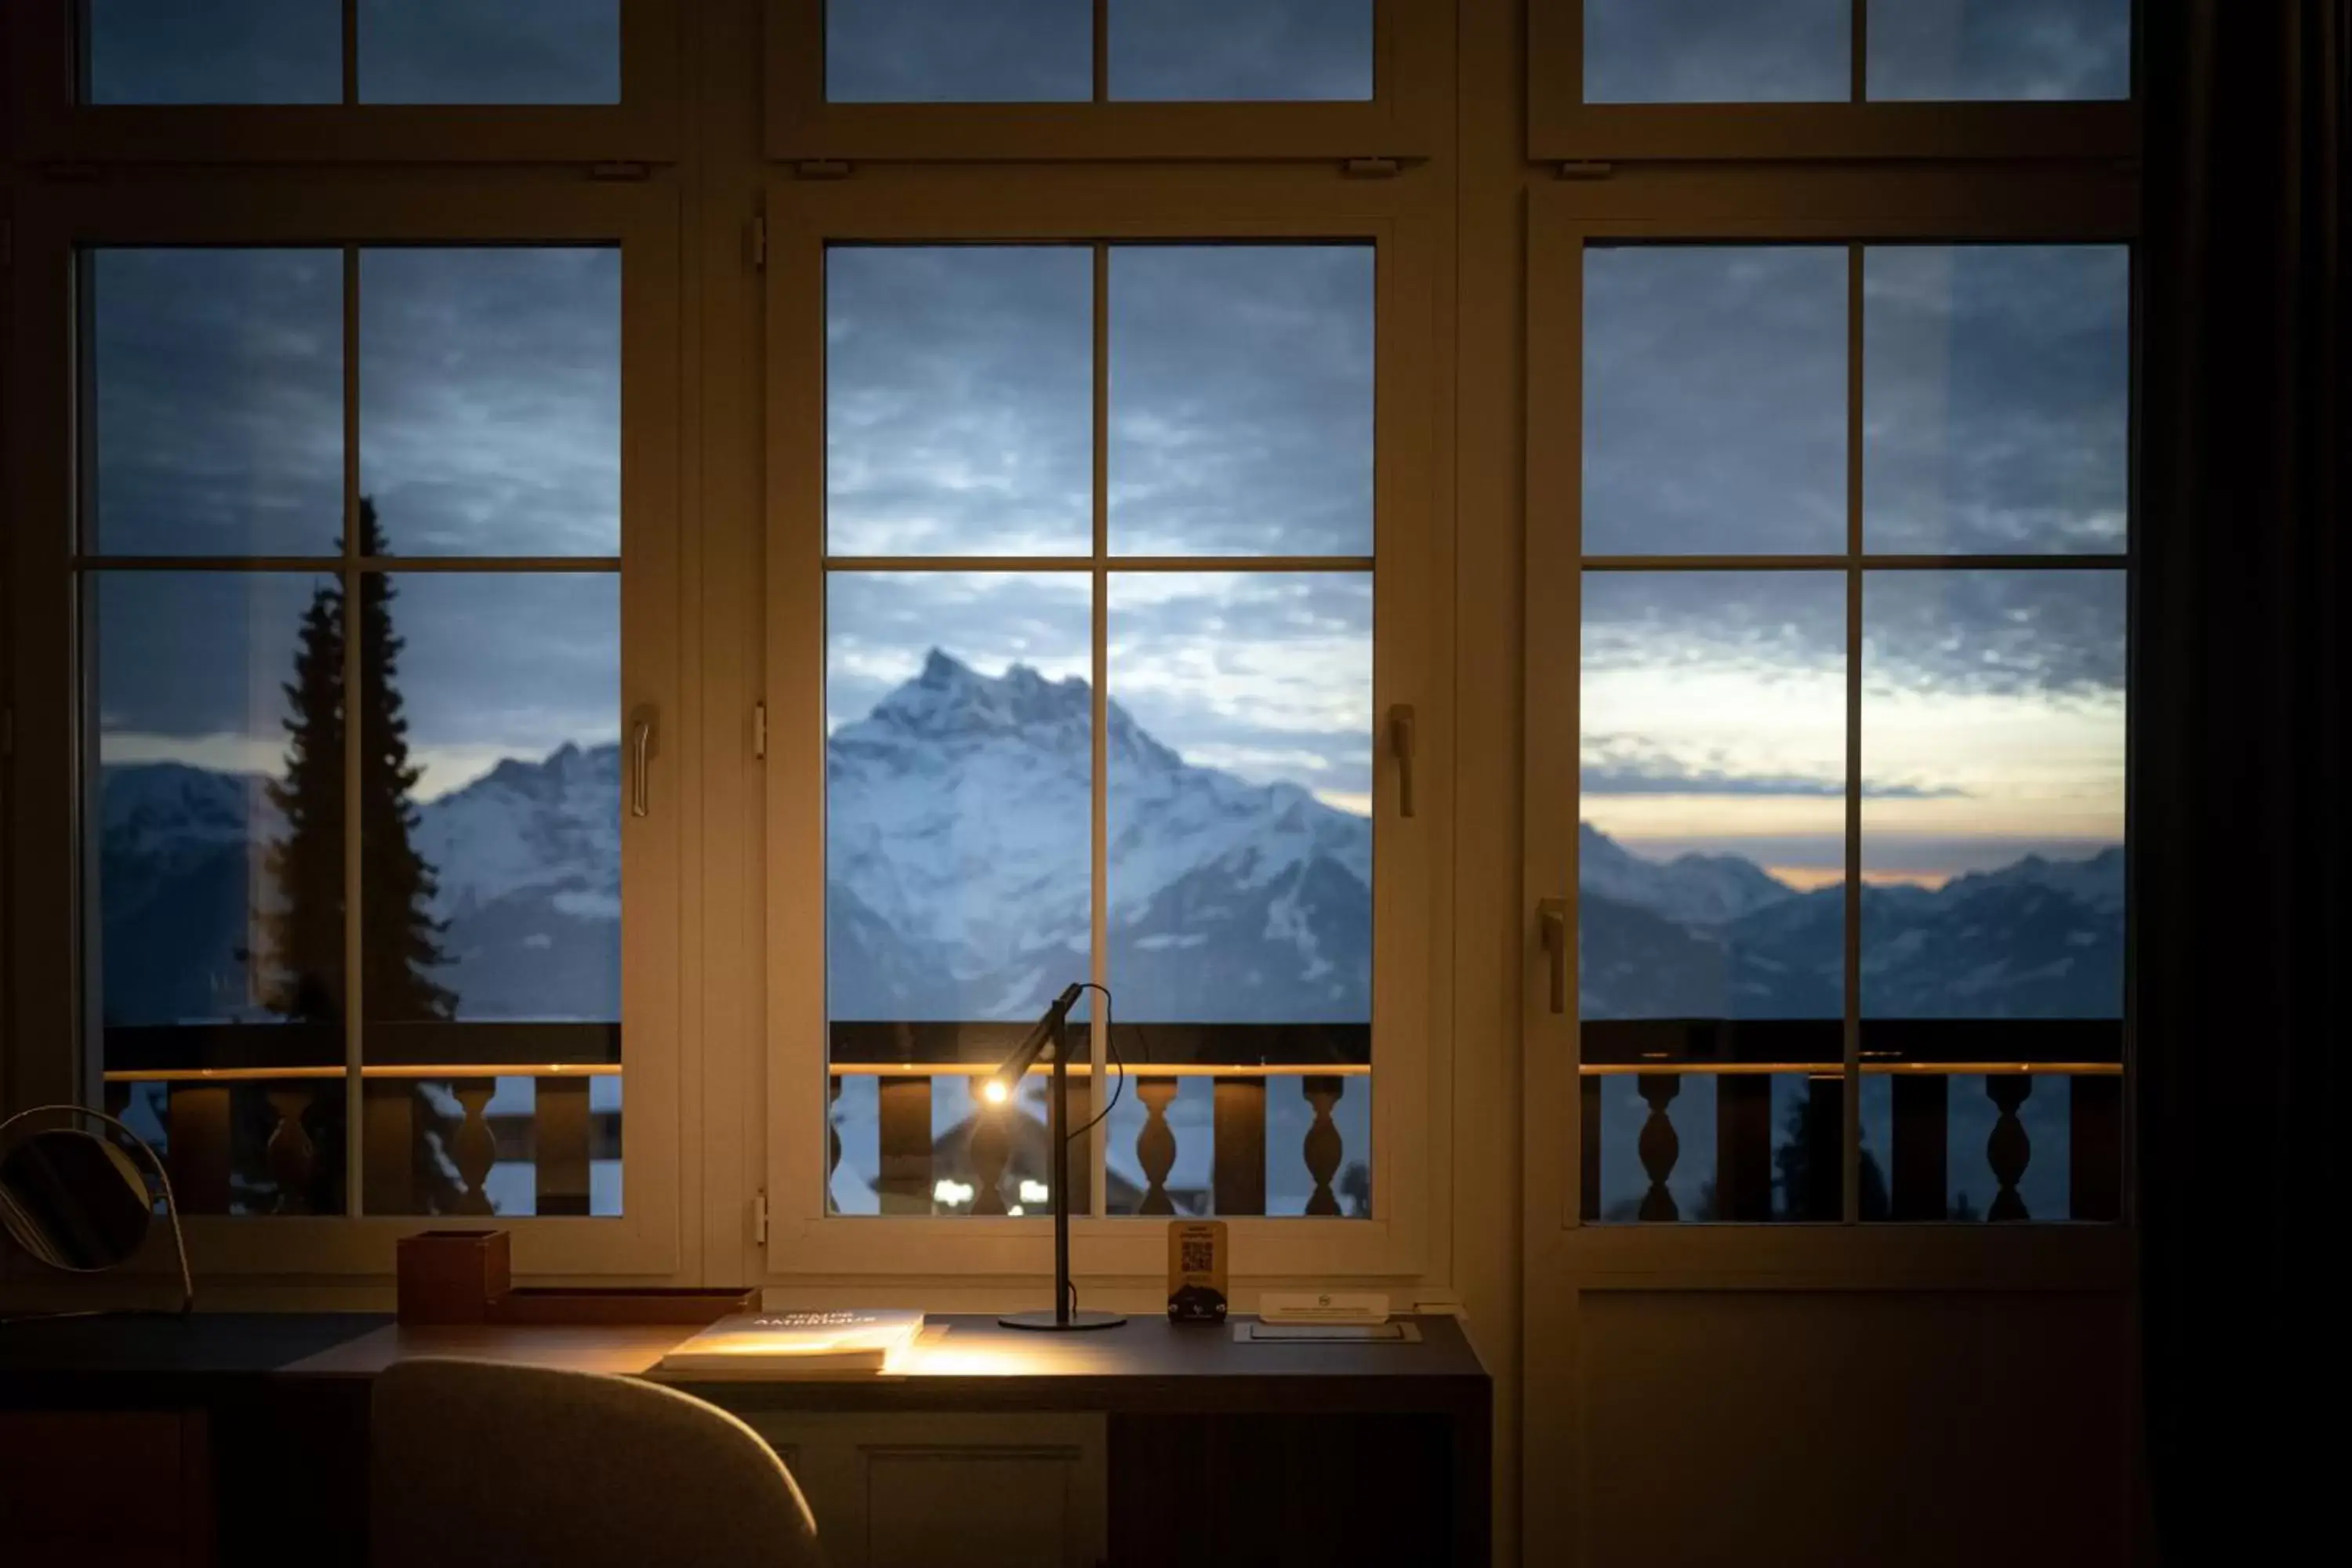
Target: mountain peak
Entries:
(948, 699)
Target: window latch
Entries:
(760, 1216)
(1551, 923)
(1401, 737)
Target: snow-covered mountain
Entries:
(957, 888)
(958, 851)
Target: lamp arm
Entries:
(155, 1163)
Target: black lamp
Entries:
(998, 1089)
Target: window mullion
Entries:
(1098, 725)
(1850, 1137)
(354, 1055)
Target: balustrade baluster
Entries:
(2095, 1116)
(1823, 1198)
(388, 1151)
(197, 1122)
(905, 1116)
(1589, 1146)
(1155, 1146)
(292, 1156)
(474, 1149)
(2008, 1149)
(1660, 1146)
(1922, 1175)
(832, 1139)
(560, 1162)
(1237, 1183)
(1743, 1147)
(990, 1148)
(1323, 1147)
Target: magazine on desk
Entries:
(844, 1343)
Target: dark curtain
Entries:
(2243, 968)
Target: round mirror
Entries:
(73, 1200)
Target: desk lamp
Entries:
(998, 1089)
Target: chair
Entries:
(487, 1465)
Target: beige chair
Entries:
(483, 1463)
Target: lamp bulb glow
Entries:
(994, 1091)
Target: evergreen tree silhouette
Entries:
(1793, 1160)
(400, 939)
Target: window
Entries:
(1850, 920)
(247, 81)
(1821, 78)
(370, 718)
(1062, 79)
(1099, 534)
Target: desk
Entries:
(1217, 1452)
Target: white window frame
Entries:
(1412, 59)
(42, 50)
(1411, 1094)
(1563, 128)
(53, 225)
(1822, 207)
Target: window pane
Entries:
(1997, 399)
(1710, 899)
(1241, 49)
(219, 874)
(490, 883)
(215, 402)
(490, 399)
(1714, 400)
(1241, 400)
(959, 880)
(955, 51)
(1954, 49)
(223, 51)
(1241, 886)
(1993, 737)
(512, 51)
(959, 400)
(1712, 846)
(1717, 52)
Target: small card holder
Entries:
(1394, 1333)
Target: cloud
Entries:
(515, 51)
(1241, 49)
(1619, 764)
(1947, 49)
(921, 52)
(226, 51)
(1717, 51)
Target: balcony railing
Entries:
(1757, 1160)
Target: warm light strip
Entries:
(1080, 1069)
(1831, 1070)
(286, 1075)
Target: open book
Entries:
(795, 1344)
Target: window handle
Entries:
(1400, 743)
(641, 745)
(1551, 921)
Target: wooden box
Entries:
(454, 1276)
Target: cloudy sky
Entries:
(1240, 425)
(1996, 419)
(1795, 51)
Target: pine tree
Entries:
(400, 944)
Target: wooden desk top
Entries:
(962, 1362)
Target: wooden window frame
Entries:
(53, 225)
(52, 125)
(1412, 58)
(1563, 128)
(1411, 1140)
(2033, 205)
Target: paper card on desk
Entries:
(1324, 1307)
(1397, 1333)
(796, 1344)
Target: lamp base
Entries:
(1046, 1320)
